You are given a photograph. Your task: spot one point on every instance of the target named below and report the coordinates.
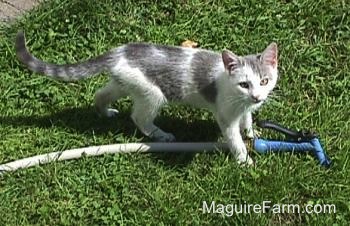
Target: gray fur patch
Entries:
(254, 62)
(137, 50)
(202, 66)
(163, 65)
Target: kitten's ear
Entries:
(269, 56)
(231, 60)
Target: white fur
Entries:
(228, 116)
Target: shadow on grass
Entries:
(85, 119)
(79, 120)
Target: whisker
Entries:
(231, 100)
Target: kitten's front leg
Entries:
(246, 125)
(231, 132)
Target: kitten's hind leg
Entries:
(107, 95)
(145, 110)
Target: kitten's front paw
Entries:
(245, 160)
(249, 133)
(111, 112)
(166, 137)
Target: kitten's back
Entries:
(174, 68)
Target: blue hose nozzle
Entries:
(300, 142)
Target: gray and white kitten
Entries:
(228, 85)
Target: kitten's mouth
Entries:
(256, 105)
(257, 100)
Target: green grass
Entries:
(39, 115)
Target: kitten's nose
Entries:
(257, 99)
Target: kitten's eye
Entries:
(264, 82)
(244, 85)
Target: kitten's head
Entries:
(254, 76)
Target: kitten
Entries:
(230, 86)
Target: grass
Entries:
(39, 115)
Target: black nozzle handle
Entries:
(295, 135)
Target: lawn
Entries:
(40, 115)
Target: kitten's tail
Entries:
(67, 72)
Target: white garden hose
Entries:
(108, 149)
